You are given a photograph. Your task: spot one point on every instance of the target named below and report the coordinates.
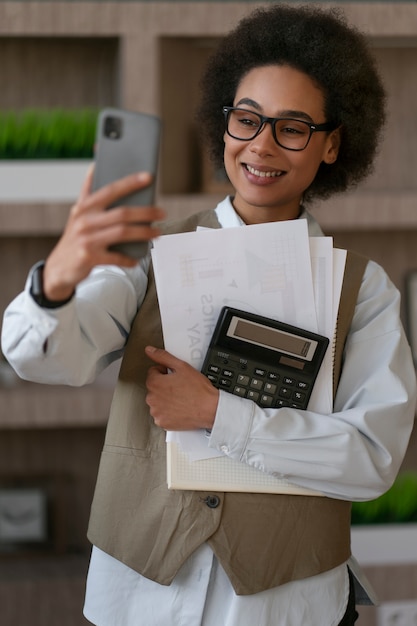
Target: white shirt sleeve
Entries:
(72, 344)
(354, 453)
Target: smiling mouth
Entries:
(263, 174)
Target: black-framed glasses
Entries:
(291, 134)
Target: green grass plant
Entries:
(47, 134)
(398, 505)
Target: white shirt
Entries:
(353, 454)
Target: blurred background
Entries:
(60, 63)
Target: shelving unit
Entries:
(136, 58)
(148, 56)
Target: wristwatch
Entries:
(36, 289)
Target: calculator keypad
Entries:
(268, 388)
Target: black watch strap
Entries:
(36, 289)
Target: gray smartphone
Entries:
(127, 142)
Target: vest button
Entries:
(212, 501)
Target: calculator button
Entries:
(273, 376)
(295, 405)
(224, 382)
(212, 378)
(270, 388)
(255, 383)
(253, 395)
(298, 396)
(301, 384)
(239, 391)
(288, 381)
(285, 392)
(228, 373)
(259, 372)
(280, 403)
(214, 369)
(266, 400)
(243, 380)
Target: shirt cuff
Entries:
(44, 321)
(36, 289)
(232, 425)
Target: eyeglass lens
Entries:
(289, 133)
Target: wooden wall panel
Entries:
(69, 72)
(395, 168)
(68, 456)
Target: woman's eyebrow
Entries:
(249, 102)
(286, 113)
(297, 114)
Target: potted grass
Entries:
(44, 154)
(385, 530)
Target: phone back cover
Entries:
(135, 151)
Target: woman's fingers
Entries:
(109, 194)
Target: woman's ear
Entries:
(332, 146)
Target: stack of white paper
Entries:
(273, 270)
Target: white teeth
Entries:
(255, 172)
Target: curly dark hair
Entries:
(332, 53)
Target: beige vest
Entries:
(261, 540)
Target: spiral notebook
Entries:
(223, 474)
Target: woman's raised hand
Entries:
(91, 229)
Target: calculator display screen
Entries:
(272, 338)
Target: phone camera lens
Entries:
(113, 127)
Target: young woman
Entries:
(293, 107)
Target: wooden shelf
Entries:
(375, 211)
(31, 220)
(381, 210)
(28, 406)
(378, 210)
(32, 405)
(156, 40)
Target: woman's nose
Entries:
(264, 142)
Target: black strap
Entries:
(351, 614)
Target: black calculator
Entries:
(271, 363)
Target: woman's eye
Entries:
(246, 121)
(293, 129)
(290, 130)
